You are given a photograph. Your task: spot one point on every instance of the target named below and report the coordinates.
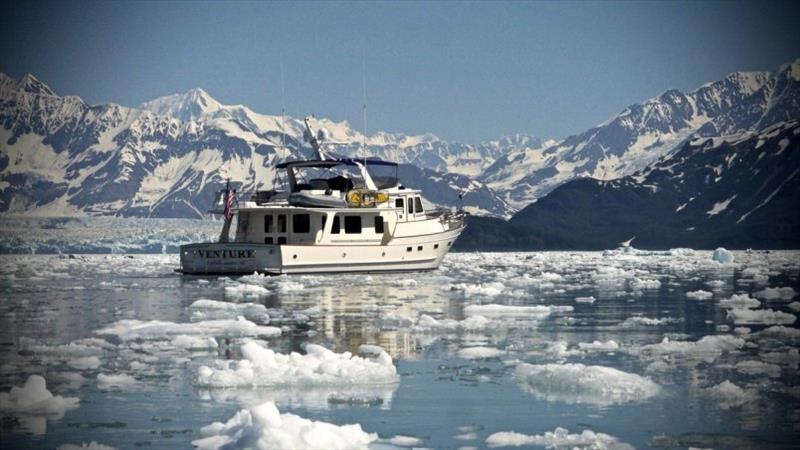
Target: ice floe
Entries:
(739, 301)
(558, 438)
(699, 295)
(479, 352)
(722, 256)
(776, 293)
(318, 366)
(130, 329)
(707, 348)
(33, 404)
(119, 381)
(598, 346)
(729, 395)
(536, 311)
(760, 316)
(578, 383)
(85, 446)
(264, 427)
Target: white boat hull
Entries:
(401, 254)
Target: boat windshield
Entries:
(384, 175)
(338, 178)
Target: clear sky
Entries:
(463, 71)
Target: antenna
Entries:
(364, 108)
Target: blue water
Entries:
(53, 300)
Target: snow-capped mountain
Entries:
(736, 191)
(62, 156)
(642, 133)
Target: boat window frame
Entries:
(349, 228)
(418, 205)
(336, 226)
(269, 223)
(379, 223)
(282, 225)
(305, 227)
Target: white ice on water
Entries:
(760, 316)
(559, 438)
(120, 381)
(729, 395)
(317, 367)
(85, 446)
(130, 329)
(722, 256)
(578, 383)
(264, 427)
(33, 404)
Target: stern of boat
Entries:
(214, 258)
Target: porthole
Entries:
(419, 248)
(294, 256)
(435, 246)
(408, 249)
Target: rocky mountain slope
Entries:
(62, 156)
(642, 133)
(737, 191)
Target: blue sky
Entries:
(463, 71)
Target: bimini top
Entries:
(335, 162)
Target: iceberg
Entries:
(318, 367)
(577, 383)
(264, 427)
(558, 438)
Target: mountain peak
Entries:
(31, 84)
(193, 104)
(791, 70)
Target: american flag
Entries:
(229, 197)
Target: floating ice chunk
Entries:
(479, 352)
(84, 363)
(633, 322)
(597, 346)
(84, 446)
(405, 441)
(427, 323)
(729, 395)
(722, 256)
(264, 427)
(116, 381)
(753, 367)
(776, 293)
(319, 366)
(761, 317)
(537, 311)
(243, 290)
(708, 348)
(558, 438)
(638, 284)
(577, 383)
(739, 301)
(588, 299)
(781, 333)
(406, 282)
(254, 310)
(699, 295)
(486, 289)
(33, 398)
(794, 306)
(128, 330)
(194, 342)
(290, 286)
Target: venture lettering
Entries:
(227, 253)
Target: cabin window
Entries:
(335, 228)
(324, 221)
(419, 248)
(417, 204)
(352, 224)
(268, 224)
(408, 249)
(281, 240)
(281, 223)
(301, 223)
(435, 246)
(410, 207)
(268, 240)
(379, 224)
(398, 203)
